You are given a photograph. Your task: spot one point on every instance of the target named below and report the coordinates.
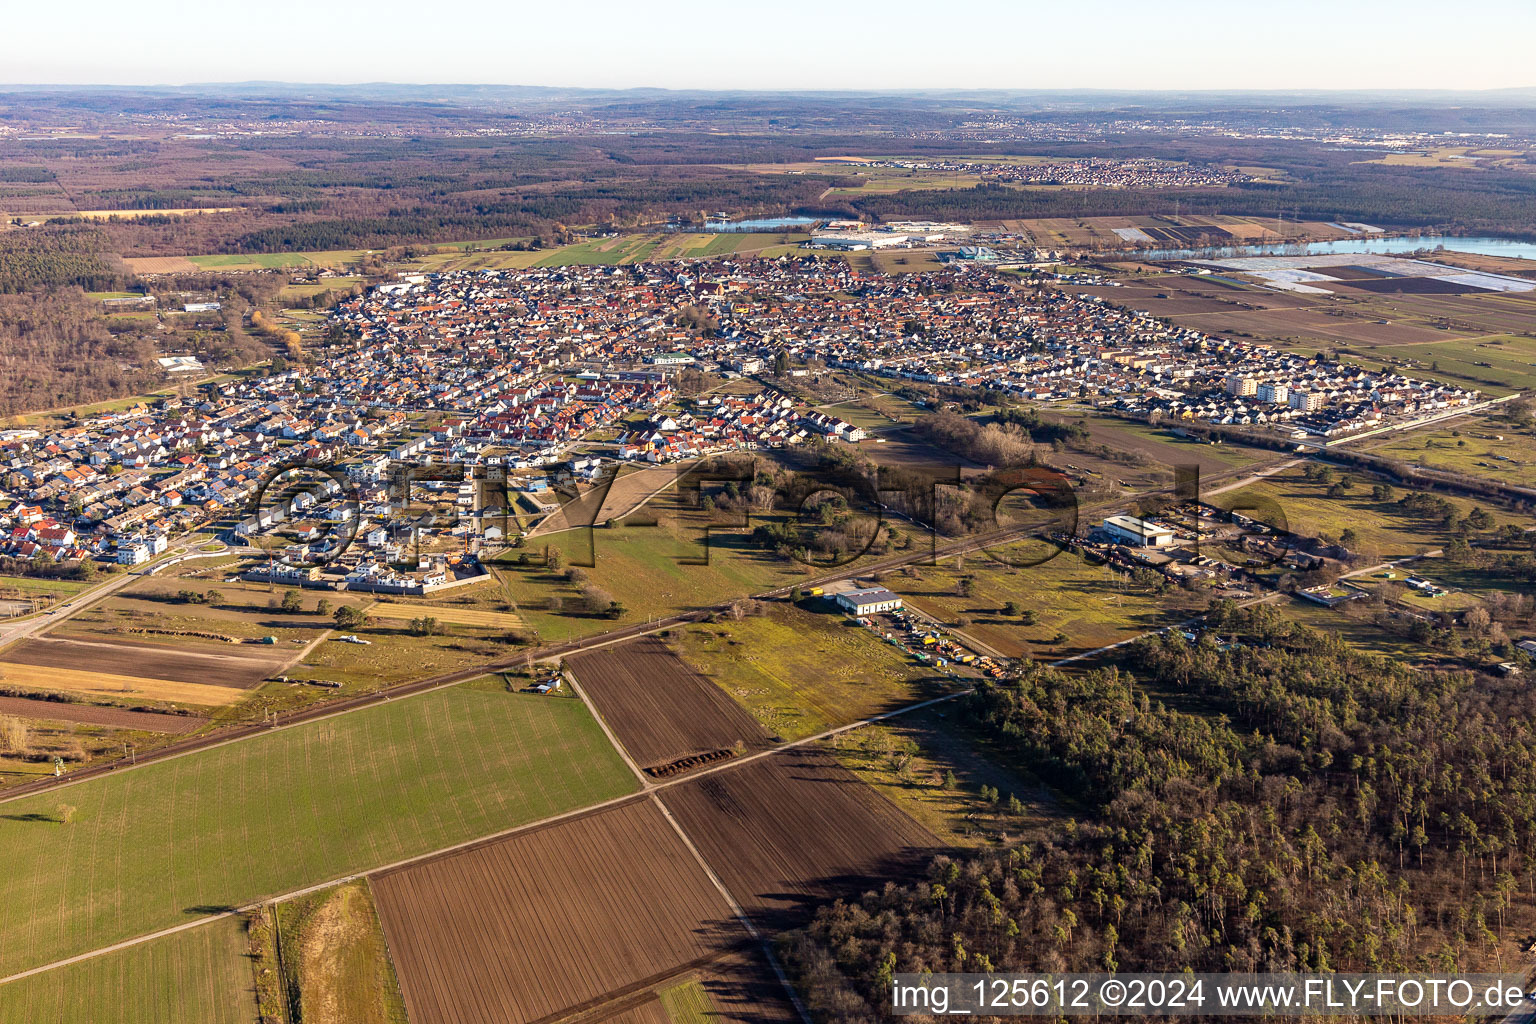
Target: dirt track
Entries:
(660, 708)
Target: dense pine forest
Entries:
(1265, 798)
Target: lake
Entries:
(1481, 245)
(762, 224)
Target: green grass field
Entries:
(200, 976)
(800, 672)
(394, 655)
(1471, 448)
(165, 843)
(1511, 361)
(1085, 604)
(263, 261)
(644, 568)
(1384, 530)
(38, 585)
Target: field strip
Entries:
(736, 908)
(97, 714)
(39, 677)
(28, 625)
(461, 676)
(463, 616)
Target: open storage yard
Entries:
(161, 844)
(792, 830)
(662, 709)
(551, 921)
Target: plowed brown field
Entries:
(93, 714)
(660, 708)
(238, 665)
(551, 921)
(792, 830)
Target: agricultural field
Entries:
(660, 708)
(1476, 447)
(901, 446)
(906, 262)
(156, 609)
(1474, 338)
(604, 503)
(735, 988)
(320, 287)
(241, 666)
(1180, 231)
(199, 976)
(800, 672)
(35, 732)
(49, 679)
(443, 612)
(30, 585)
(615, 251)
(1142, 455)
(1495, 364)
(336, 967)
(393, 655)
(647, 565)
(163, 843)
(792, 830)
(1075, 606)
(1385, 531)
(553, 920)
(95, 714)
(335, 259)
(1459, 157)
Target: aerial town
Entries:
(513, 368)
(1013, 509)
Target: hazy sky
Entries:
(884, 44)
